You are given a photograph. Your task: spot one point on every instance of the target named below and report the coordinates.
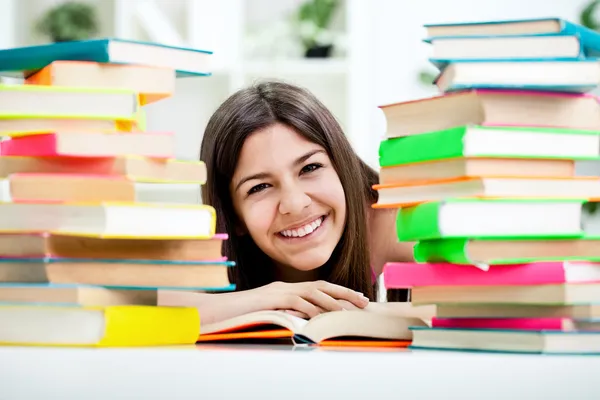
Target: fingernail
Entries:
(364, 297)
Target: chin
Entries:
(308, 262)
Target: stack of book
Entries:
(82, 256)
(507, 236)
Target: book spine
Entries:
(442, 250)
(418, 222)
(424, 147)
(535, 324)
(33, 145)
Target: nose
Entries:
(293, 199)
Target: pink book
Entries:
(92, 144)
(408, 275)
(530, 324)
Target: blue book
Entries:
(48, 260)
(551, 39)
(506, 340)
(24, 61)
(540, 75)
(517, 27)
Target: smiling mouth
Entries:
(303, 231)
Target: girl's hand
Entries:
(309, 299)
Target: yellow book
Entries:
(112, 326)
(26, 109)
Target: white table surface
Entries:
(286, 373)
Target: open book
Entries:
(380, 324)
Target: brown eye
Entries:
(258, 188)
(310, 168)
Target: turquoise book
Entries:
(24, 61)
(526, 40)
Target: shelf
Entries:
(296, 67)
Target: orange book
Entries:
(407, 194)
(152, 83)
(354, 328)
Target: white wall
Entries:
(400, 53)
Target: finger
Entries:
(346, 305)
(296, 314)
(299, 304)
(342, 293)
(322, 300)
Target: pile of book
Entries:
(507, 235)
(82, 254)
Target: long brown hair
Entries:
(260, 106)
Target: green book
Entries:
(491, 142)
(493, 251)
(495, 218)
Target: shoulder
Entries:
(383, 240)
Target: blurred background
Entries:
(353, 54)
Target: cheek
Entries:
(331, 193)
(258, 217)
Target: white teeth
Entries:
(303, 231)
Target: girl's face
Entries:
(289, 198)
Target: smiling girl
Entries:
(295, 200)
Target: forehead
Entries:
(273, 147)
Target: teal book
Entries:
(580, 76)
(514, 27)
(525, 40)
(491, 141)
(24, 61)
(123, 274)
(507, 340)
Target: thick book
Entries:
(516, 187)
(134, 168)
(467, 166)
(31, 101)
(492, 107)
(91, 144)
(152, 84)
(74, 295)
(24, 61)
(577, 311)
(499, 251)
(384, 326)
(446, 50)
(115, 273)
(506, 340)
(21, 125)
(559, 76)
(112, 326)
(110, 220)
(530, 324)
(401, 275)
(510, 27)
(496, 218)
(554, 294)
(60, 188)
(487, 141)
(41, 245)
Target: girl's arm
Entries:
(306, 299)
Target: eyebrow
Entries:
(263, 175)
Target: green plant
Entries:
(313, 18)
(69, 21)
(586, 18)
